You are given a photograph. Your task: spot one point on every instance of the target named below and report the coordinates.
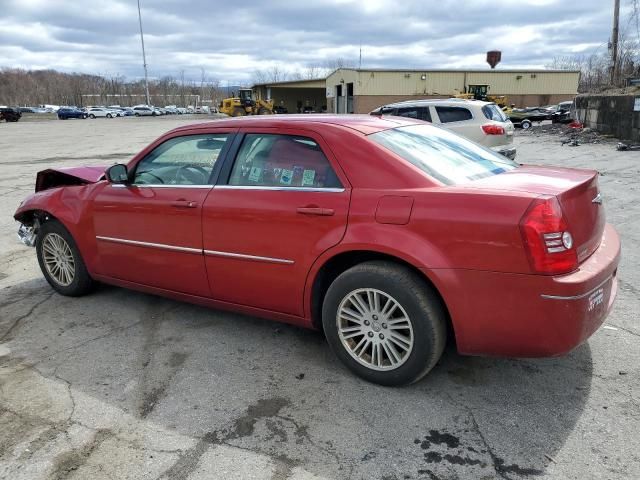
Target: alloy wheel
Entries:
(58, 259)
(375, 329)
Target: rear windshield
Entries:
(442, 154)
(492, 112)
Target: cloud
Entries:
(232, 40)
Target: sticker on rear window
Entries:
(286, 176)
(308, 177)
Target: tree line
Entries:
(39, 87)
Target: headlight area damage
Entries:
(35, 209)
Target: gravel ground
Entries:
(121, 384)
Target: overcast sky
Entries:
(230, 40)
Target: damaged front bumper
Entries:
(27, 235)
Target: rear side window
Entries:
(421, 113)
(492, 112)
(268, 160)
(453, 114)
(441, 154)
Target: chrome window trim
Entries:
(290, 189)
(199, 251)
(577, 297)
(161, 246)
(160, 185)
(216, 253)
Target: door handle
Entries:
(313, 210)
(184, 204)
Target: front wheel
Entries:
(60, 260)
(384, 322)
(92, 116)
(109, 115)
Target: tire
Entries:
(264, 111)
(92, 116)
(109, 115)
(238, 112)
(74, 281)
(423, 327)
(525, 124)
(137, 114)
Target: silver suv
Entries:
(482, 122)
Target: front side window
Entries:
(268, 160)
(453, 114)
(187, 160)
(443, 155)
(421, 113)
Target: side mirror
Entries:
(117, 173)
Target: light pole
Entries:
(144, 58)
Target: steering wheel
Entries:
(152, 175)
(200, 176)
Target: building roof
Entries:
(293, 83)
(456, 70)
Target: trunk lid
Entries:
(576, 190)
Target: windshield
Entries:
(443, 155)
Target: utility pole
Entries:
(614, 41)
(144, 58)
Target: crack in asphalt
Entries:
(17, 321)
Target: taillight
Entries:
(492, 129)
(547, 238)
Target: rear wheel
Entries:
(92, 116)
(60, 260)
(526, 124)
(109, 115)
(238, 112)
(384, 322)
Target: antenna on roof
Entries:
(360, 62)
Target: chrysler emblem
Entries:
(597, 199)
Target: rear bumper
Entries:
(532, 315)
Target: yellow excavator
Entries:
(244, 104)
(481, 92)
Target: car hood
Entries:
(58, 177)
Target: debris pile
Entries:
(572, 135)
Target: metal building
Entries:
(361, 90)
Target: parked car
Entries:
(389, 234)
(26, 110)
(10, 114)
(182, 110)
(482, 122)
(280, 109)
(140, 111)
(65, 113)
(97, 112)
(563, 113)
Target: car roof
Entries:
(448, 102)
(365, 124)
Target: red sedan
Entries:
(389, 234)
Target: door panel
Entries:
(150, 235)
(266, 224)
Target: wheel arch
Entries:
(331, 267)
